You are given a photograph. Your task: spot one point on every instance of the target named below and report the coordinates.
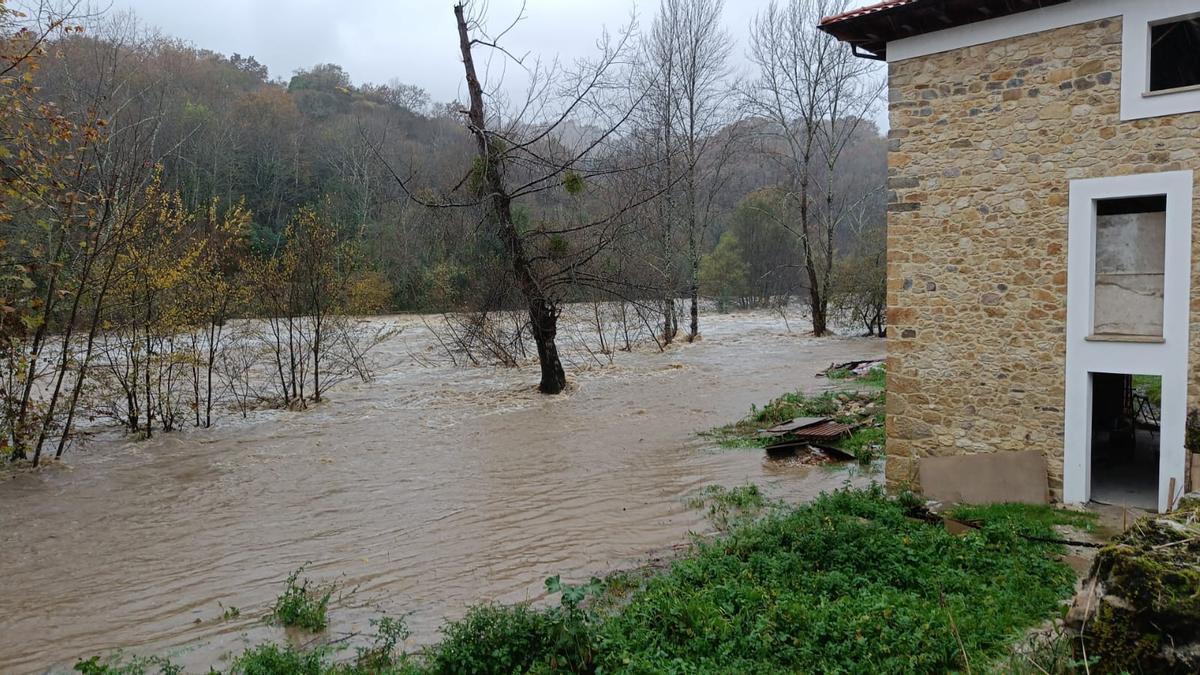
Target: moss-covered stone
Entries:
(1144, 598)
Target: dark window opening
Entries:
(1125, 205)
(1175, 54)
(1125, 439)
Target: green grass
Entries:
(876, 377)
(1150, 386)
(865, 443)
(846, 584)
(1029, 519)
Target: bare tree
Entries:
(703, 49)
(554, 145)
(812, 95)
(656, 136)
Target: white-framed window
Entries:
(1160, 59)
(1174, 54)
(1144, 196)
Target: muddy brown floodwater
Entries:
(424, 491)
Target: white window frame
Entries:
(1167, 359)
(1137, 101)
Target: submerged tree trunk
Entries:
(670, 324)
(544, 321)
(543, 311)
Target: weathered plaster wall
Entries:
(983, 143)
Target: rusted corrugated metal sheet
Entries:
(810, 429)
(825, 431)
(794, 425)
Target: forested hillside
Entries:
(156, 194)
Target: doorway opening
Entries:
(1126, 434)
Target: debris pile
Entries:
(814, 434)
(851, 368)
(1139, 608)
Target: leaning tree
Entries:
(542, 178)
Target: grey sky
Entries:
(412, 40)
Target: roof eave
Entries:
(869, 30)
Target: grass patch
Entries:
(875, 377)
(1035, 520)
(303, 604)
(865, 443)
(847, 583)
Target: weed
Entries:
(865, 443)
(876, 377)
(302, 604)
(380, 658)
(518, 639)
(116, 664)
(272, 659)
(730, 506)
(382, 654)
(1047, 653)
(229, 613)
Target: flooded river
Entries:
(427, 490)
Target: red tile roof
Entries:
(869, 9)
(870, 28)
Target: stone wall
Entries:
(984, 142)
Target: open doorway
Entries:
(1126, 432)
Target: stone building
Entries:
(1042, 236)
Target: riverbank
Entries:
(848, 583)
(853, 581)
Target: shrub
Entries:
(273, 659)
(730, 506)
(382, 655)
(117, 665)
(518, 639)
(303, 604)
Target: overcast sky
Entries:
(412, 40)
